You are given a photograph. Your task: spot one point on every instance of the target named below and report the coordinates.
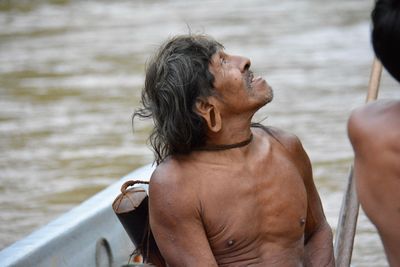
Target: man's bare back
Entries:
(374, 131)
(252, 214)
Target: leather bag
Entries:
(132, 209)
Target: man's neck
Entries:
(232, 132)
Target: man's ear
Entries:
(210, 114)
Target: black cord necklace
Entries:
(225, 147)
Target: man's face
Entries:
(236, 85)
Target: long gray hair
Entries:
(176, 76)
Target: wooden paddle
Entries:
(350, 206)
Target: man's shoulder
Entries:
(172, 175)
(167, 172)
(170, 192)
(375, 110)
(285, 138)
(376, 119)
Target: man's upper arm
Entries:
(315, 213)
(317, 233)
(176, 222)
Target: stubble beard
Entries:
(270, 94)
(248, 80)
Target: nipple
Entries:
(302, 221)
(230, 243)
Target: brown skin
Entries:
(374, 131)
(255, 205)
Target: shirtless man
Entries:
(374, 131)
(226, 192)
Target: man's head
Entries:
(176, 76)
(190, 85)
(237, 90)
(386, 34)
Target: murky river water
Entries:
(71, 74)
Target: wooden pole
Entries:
(374, 81)
(348, 216)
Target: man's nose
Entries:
(244, 63)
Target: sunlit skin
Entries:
(254, 205)
(374, 131)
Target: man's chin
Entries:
(264, 95)
(266, 101)
(269, 96)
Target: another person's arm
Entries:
(176, 222)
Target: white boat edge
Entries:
(88, 235)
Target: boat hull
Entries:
(88, 235)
